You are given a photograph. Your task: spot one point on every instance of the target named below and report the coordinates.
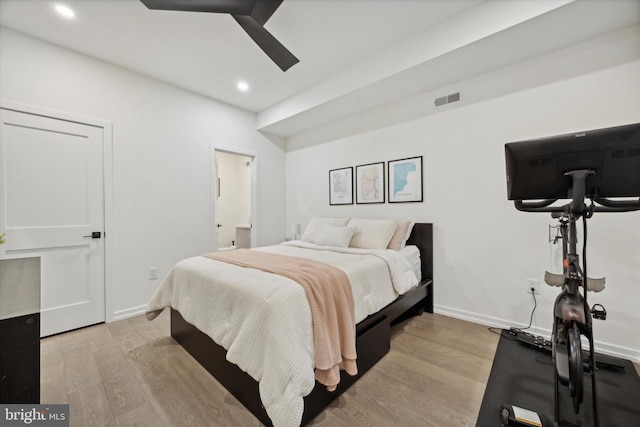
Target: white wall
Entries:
(161, 142)
(485, 249)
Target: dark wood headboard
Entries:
(422, 237)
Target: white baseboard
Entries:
(130, 312)
(601, 347)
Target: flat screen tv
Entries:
(536, 168)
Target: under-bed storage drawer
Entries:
(373, 343)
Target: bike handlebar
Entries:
(624, 204)
(604, 205)
(577, 207)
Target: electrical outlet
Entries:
(533, 283)
(153, 273)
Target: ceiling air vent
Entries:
(447, 99)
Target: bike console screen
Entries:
(608, 158)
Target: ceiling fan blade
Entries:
(250, 14)
(263, 38)
(239, 7)
(263, 9)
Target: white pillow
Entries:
(318, 223)
(372, 233)
(409, 230)
(399, 238)
(338, 237)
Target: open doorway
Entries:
(233, 199)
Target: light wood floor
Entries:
(132, 372)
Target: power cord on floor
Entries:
(515, 331)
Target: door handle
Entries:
(219, 225)
(94, 235)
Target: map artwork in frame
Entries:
(405, 180)
(370, 183)
(341, 186)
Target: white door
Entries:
(51, 204)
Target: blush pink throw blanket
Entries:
(328, 291)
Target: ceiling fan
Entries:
(250, 14)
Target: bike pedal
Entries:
(599, 312)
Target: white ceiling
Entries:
(355, 55)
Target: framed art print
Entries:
(405, 180)
(341, 186)
(370, 183)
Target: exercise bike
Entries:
(596, 171)
(572, 315)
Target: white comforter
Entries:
(264, 321)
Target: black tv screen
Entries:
(536, 168)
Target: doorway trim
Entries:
(107, 167)
(213, 190)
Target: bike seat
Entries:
(553, 279)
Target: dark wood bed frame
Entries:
(373, 339)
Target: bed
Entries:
(294, 401)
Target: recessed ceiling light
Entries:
(65, 11)
(243, 86)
